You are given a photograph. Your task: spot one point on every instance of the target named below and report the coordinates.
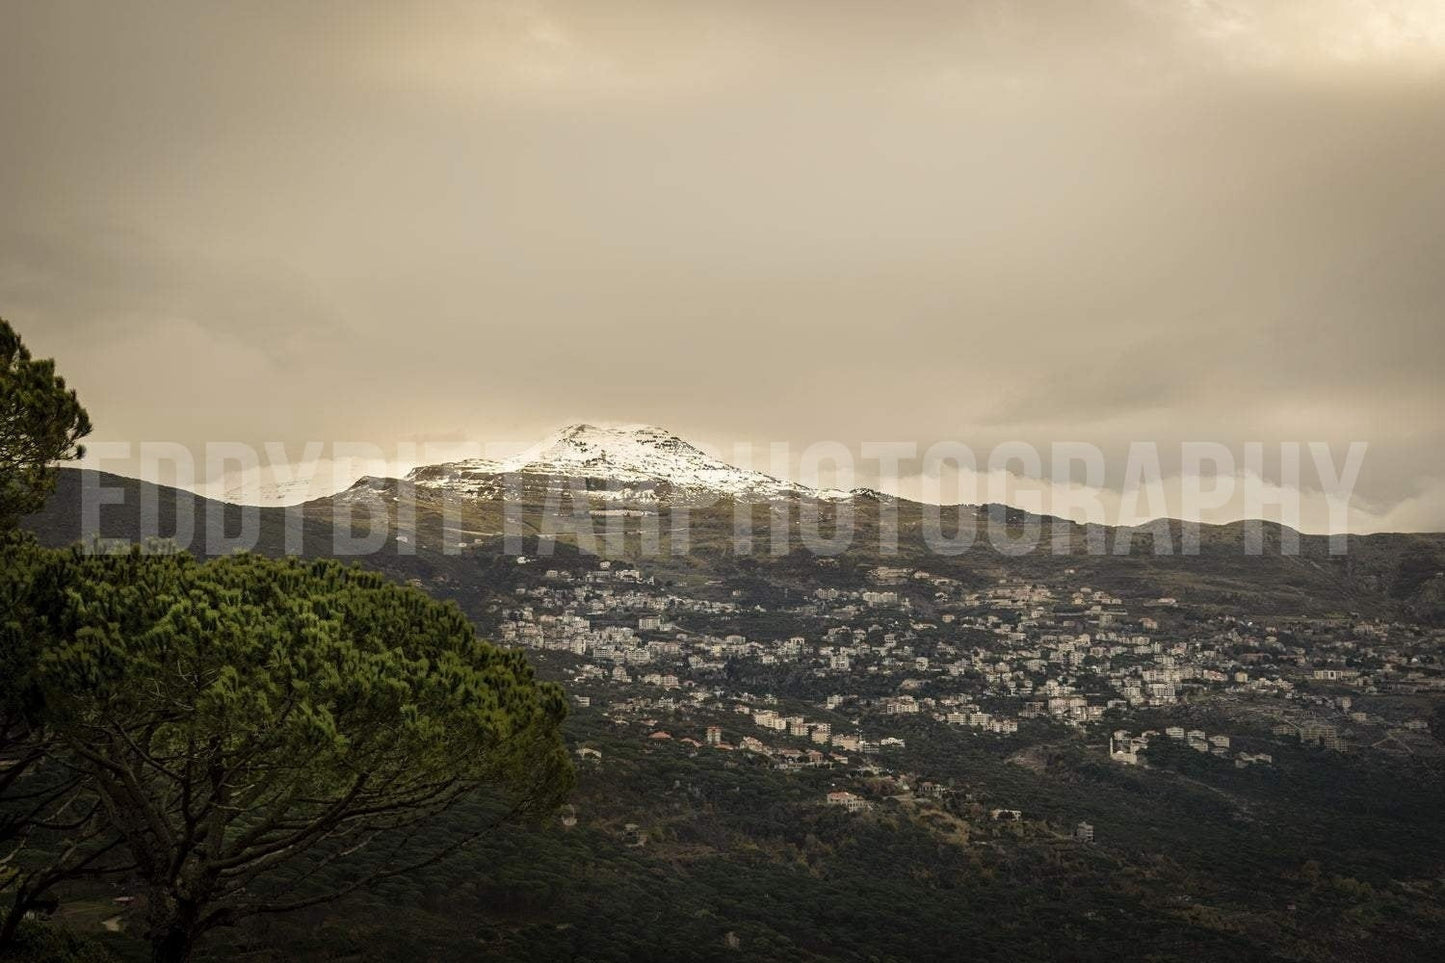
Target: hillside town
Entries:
(846, 672)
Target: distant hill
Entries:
(136, 511)
(446, 538)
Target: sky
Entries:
(1106, 221)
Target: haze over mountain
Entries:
(642, 456)
(636, 458)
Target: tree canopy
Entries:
(250, 723)
(41, 422)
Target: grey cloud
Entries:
(1097, 221)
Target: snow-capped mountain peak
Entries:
(634, 458)
(624, 450)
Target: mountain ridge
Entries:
(1402, 573)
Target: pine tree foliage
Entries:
(252, 724)
(41, 422)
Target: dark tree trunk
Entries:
(173, 938)
(10, 923)
(173, 946)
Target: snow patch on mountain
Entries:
(632, 459)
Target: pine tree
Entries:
(266, 735)
(41, 422)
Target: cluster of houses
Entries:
(986, 660)
(1125, 748)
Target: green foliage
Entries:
(41, 422)
(248, 722)
(20, 559)
(739, 847)
(285, 660)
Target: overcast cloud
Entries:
(1098, 221)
